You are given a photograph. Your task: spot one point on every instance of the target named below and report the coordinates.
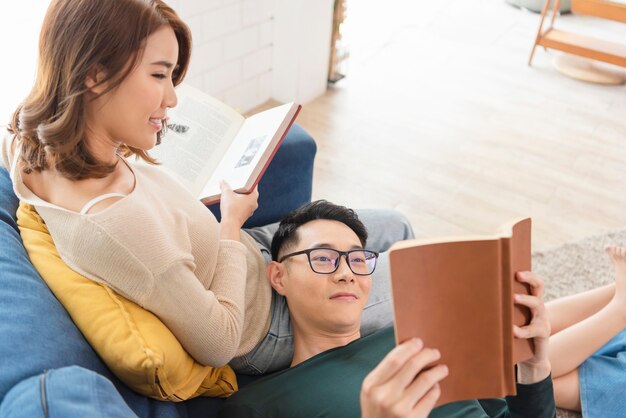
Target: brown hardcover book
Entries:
(456, 294)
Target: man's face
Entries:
(323, 302)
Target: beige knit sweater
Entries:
(159, 247)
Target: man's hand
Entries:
(235, 208)
(537, 368)
(400, 386)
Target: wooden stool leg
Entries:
(544, 12)
(555, 12)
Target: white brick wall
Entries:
(232, 48)
(237, 58)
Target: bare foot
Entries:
(618, 257)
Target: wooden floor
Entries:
(441, 118)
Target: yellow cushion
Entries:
(138, 348)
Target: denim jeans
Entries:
(275, 352)
(67, 392)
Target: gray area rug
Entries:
(576, 267)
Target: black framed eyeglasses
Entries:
(326, 260)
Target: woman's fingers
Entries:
(235, 207)
(224, 186)
(255, 192)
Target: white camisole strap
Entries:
(99, 199)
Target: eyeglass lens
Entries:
(326, 261)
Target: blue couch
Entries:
(48, 369)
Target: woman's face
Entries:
(133, 112)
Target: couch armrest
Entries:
(36, 333)
(287, 182)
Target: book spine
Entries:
(507, 278)
(521, 261)
(269, 160)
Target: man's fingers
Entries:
(425, 405)
(392, 363)
(533, 302)
(400, 385)
(536, 329)
(413, 366)
(403, 400)
(424, 383)
(536, 283)
(539, 325)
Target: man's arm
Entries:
(535, 395)
(533, 401)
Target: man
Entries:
(321, 267)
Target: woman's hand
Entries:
(236, 208)
(400, 386)
(538, 367)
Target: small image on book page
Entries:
(250, 152)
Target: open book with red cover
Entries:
(456, 294)
(207, 141)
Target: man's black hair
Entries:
(286, 235)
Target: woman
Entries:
(105, 81)
(106, 77)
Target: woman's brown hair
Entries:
(78, 36)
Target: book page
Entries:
(250, 150)
(199, 132)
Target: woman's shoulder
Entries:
(48, 188)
